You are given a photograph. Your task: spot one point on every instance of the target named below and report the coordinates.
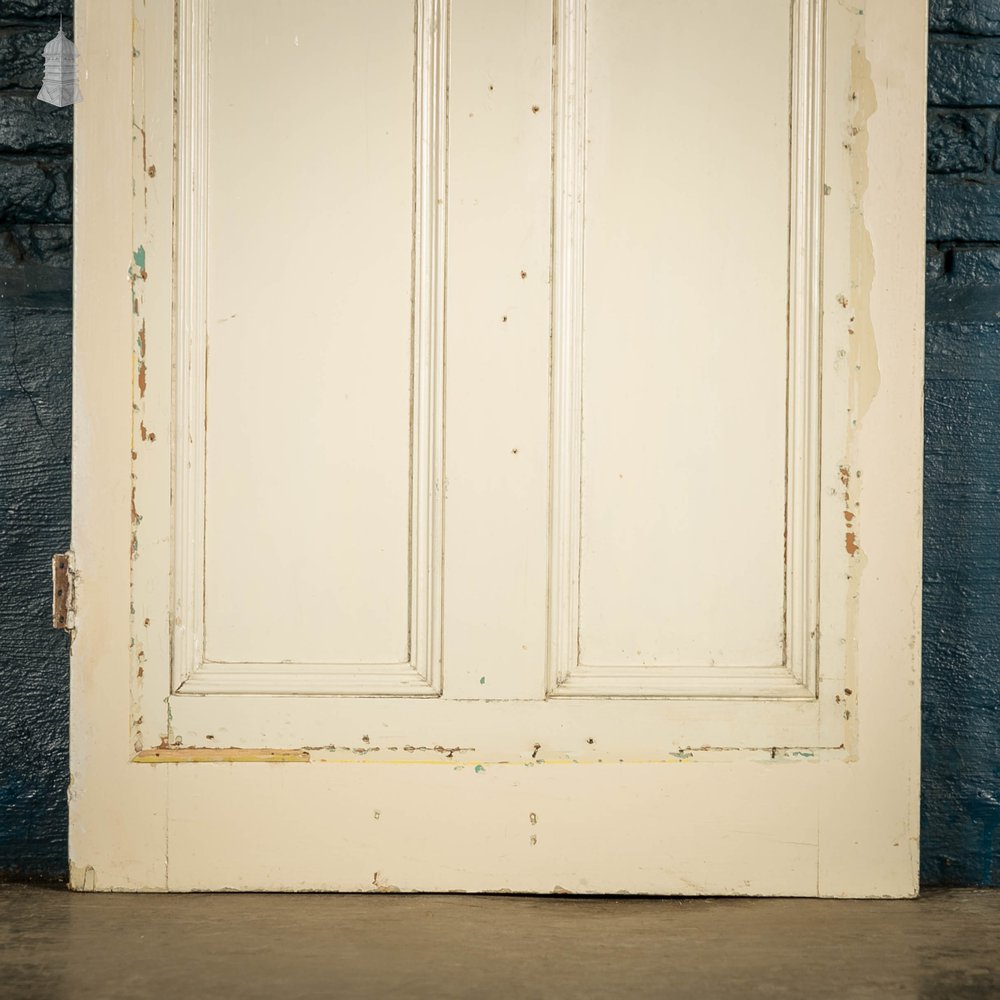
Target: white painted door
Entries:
(500, 469)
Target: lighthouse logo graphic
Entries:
(59, 85)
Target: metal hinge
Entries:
(63, 591)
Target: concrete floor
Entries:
(55, 944)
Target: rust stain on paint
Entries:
(141, 354)
(850, 533)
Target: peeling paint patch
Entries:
(864, 377)
(82, 879)
(850, 514)
(380, 886)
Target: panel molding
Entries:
(190, 672)
(796, 676)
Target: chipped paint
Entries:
(82, 878)
(332, 751)
(863, 349)
(864, 377)
(850, 515)
(143, 174)
(141, 380)
(293, 729)
(171, 749)
(380, 885)
(137, 278)
(220, 755)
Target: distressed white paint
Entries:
(686, 336)
(340, 589)
(763, 793)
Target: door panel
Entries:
(694, 464)
(684, 338)
(308, 425)
(308, 422)
(519, 474)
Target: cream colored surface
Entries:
(308, 434)
(797, 773)
(684, 337)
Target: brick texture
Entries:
(961, 653)
(36, 214)
(960, 141)
(974, 17)
(963, 72)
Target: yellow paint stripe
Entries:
(219, 755)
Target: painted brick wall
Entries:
(962, 526)
(35, 371)
(961, 738)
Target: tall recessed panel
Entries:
(685, 372)
(685, 334)
(310, 238)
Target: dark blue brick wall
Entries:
(35, 384)
(961, 785)
(961, 718)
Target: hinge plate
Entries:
(63, 591)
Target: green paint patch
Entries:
(482, 680)
(480, 769)
(682, 755)
(139, 257)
